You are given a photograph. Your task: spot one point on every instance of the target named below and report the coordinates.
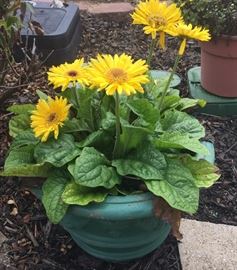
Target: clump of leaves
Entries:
(158, 152)
(219, 16)
(10, 25)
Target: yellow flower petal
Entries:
(117, 73)
(63, 75)
(156, 17)
(49, 116)
(182, 46)
(188, 31)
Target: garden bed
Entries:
(33, 243)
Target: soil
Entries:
(34, 243)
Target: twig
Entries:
(13, 87)
(9, 229)
(233, 145)
(31, 236)
(133, 267)
(48, 229)
(46, 58)
(5, 115)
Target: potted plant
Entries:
(116, 148)
(219, 56)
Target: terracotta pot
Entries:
(219, 66)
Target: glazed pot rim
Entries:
(133, 198)
(116, 207)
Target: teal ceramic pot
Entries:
(119, 229)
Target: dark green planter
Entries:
(119, 229)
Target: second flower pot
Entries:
(219, 66)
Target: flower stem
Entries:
(150, 53)
(164, 92)
(117, 138)
(76, 96)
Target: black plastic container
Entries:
(62, 32)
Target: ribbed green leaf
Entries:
(170, 102)
(21, 109)
(174, 120)
(177, 140)
(186, 103)
(24, 138)
(53, 189)
(92, 138)
(109, 121)
(177, 187)
(57, 152)
(20, 162)
(74, 125)
(204, 173)
(132, 136)
(80, 195)
(146, 162)
(18, 124)
(92, 169)
(145, 110)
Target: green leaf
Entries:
(204, 173)
(24, 138)
(42, 95)
(80, 195)
(20, 162)
(53, 189)
(19, 124)
(146, 162)
(82, 101)
(13, 22)
(21, 109)
(180, 121)
(186, 103)
(108, 121)
(132, 136)
(92, 138)
(170, 102)
(177, 187)
(74, 125)
(144, 109)
(85, 99)
(92, 169)
(177, 140)
(57, 152)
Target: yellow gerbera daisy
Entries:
(64, 74)
(157, 18)
(49, 116)
(118, 73)
(188, 31)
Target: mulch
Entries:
(34, 243)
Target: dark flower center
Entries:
(52, 117)
(72, 73)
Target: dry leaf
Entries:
(173, 216)
(11, 202)
(26, 218)
(36, 28)
(14, 212)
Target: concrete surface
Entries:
(4, 260)
(208, 246)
